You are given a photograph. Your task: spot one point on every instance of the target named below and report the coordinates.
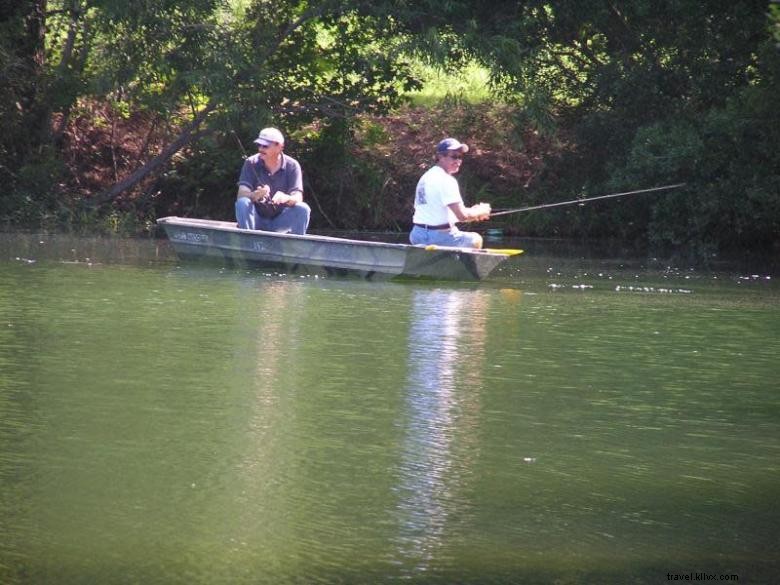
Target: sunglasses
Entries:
(455, 156)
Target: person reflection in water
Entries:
(442, 413)
(438, 205)
(270, 189)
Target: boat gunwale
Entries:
(227, 226)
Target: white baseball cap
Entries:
(269, 135)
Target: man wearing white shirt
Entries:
(438, 204)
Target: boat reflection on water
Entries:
(270, 324)
(446, 350)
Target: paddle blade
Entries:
(505, 251)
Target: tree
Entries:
(619, 77)
(23, 109)
(198, 65)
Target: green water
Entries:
(573, 421)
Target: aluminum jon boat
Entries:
(222, 241)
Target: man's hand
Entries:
(281, 198)
(481, 211)
(260, 194)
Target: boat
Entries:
(224, 242)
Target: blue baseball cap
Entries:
(449, 144)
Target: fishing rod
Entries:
(246, 156)
(583, 201)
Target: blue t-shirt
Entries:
(287, 179)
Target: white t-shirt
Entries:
(436, 189)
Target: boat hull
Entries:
(223, 242)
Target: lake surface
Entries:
(578, 419)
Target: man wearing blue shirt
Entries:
(270, 189)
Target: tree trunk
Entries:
(191, 132)
(71, 62)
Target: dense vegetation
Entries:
(117, 112)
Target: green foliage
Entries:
(374, 134)
(469, 84)
(646, 104)
(21, 111)
(774, 20)
(730, 159)
(348, 191)
(630, 94)
(288, 63)
(202, 182)
(37, 193)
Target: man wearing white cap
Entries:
(270, 189)
(438, 204)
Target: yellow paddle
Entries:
(504, 251)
